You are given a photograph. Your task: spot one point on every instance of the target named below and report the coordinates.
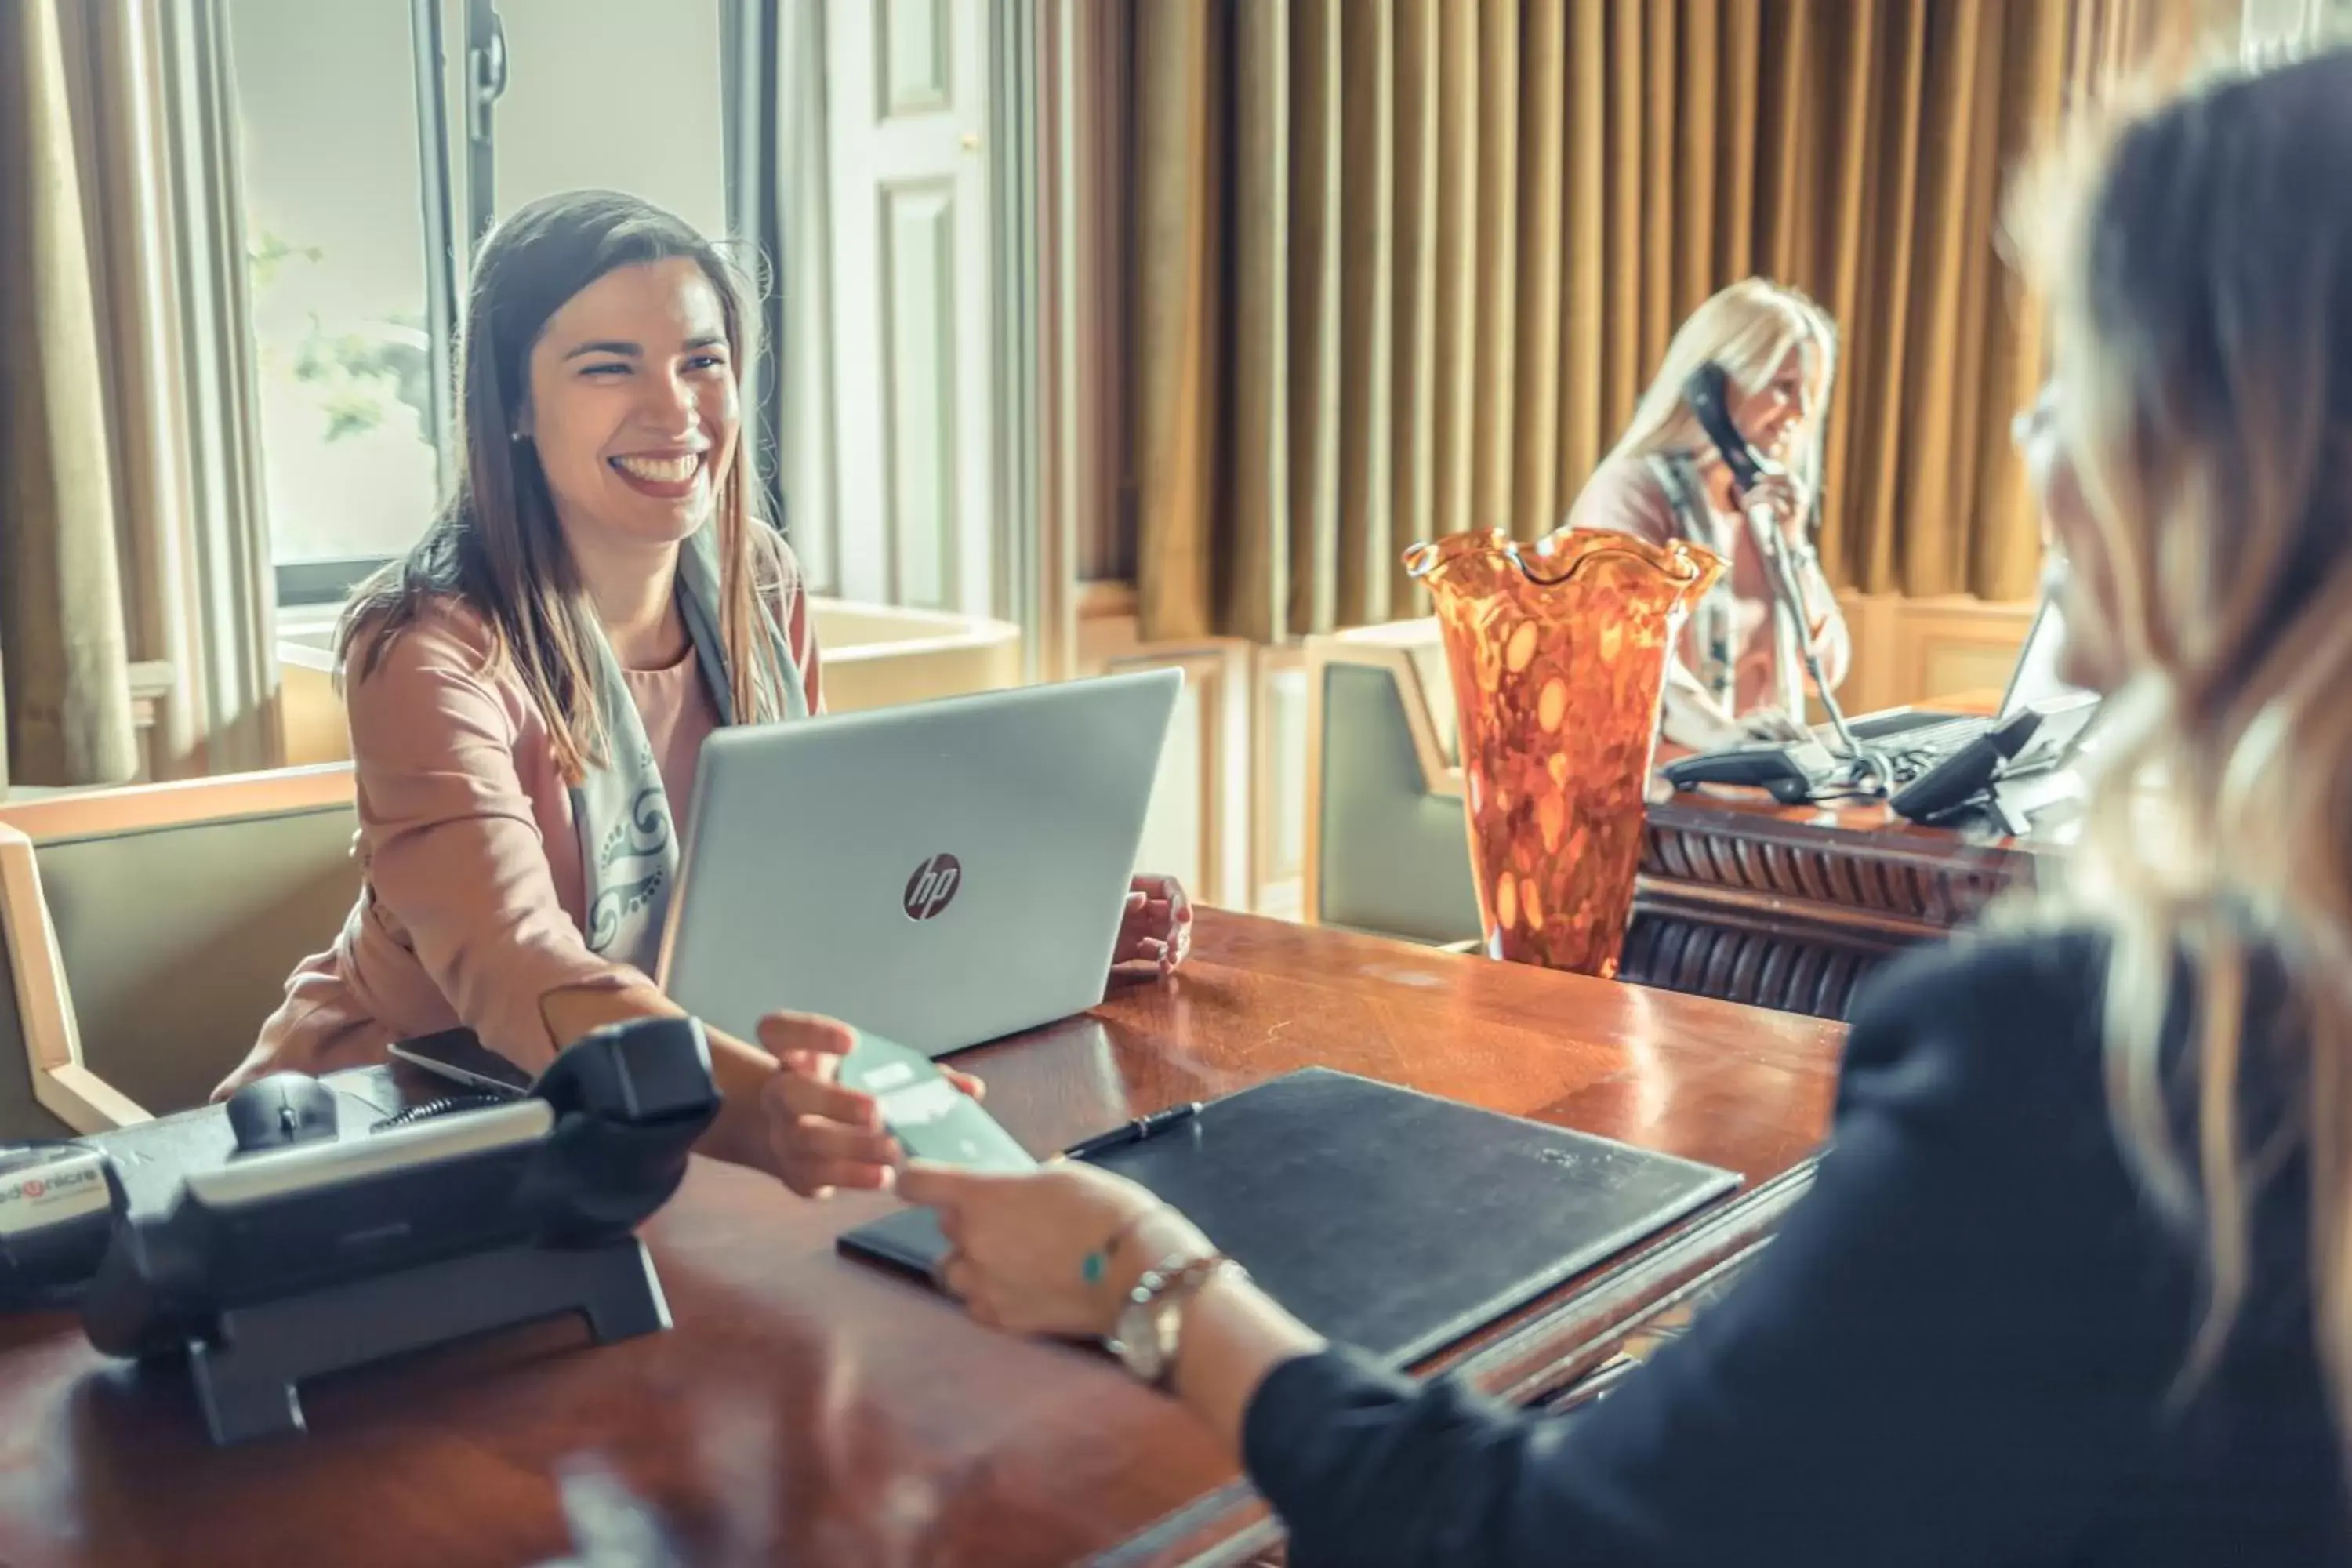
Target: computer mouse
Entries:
(280, 1111)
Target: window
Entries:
(336, 255)
(366, 172)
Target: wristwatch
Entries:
(1151, 1321)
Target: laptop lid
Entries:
(943, 873)
(2035, 678)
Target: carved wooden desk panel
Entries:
(809, 1410)
(1789, 907)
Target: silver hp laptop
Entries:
(941, 874)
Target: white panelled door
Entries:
(907, 90)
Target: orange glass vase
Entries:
(1559, 651)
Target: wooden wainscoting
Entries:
(1910, 651)
(151, 689)
(1278, 783)
(1229, 814)
(1198, 826)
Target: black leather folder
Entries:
(1385, 1219)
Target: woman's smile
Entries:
(664, 476)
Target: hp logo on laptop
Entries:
(933, 886)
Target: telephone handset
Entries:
(1708, 396)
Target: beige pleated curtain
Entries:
(134, 566)
(1401, 268)
(65, 691)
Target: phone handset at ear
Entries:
(1708, 395)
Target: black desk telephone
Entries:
(285, 1244)
(1928, 773)
(1922, 781)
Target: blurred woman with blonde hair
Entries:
(2073, 1283)
(1740, 675)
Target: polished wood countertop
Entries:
(806, 1409)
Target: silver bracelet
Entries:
(1176, 1278)
(1152, 1312)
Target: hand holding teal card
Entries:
(929, 1116)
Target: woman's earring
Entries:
(517, 437)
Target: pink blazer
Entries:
(472, 895)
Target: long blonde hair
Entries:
(496, 545)
(1750, 328)
(2200, 282)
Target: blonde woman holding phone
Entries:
(1737, 677)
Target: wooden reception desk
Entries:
(807, 1409)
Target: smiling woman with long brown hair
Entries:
(2074, 1283)
(529, 690)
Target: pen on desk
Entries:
(1134, 1131)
